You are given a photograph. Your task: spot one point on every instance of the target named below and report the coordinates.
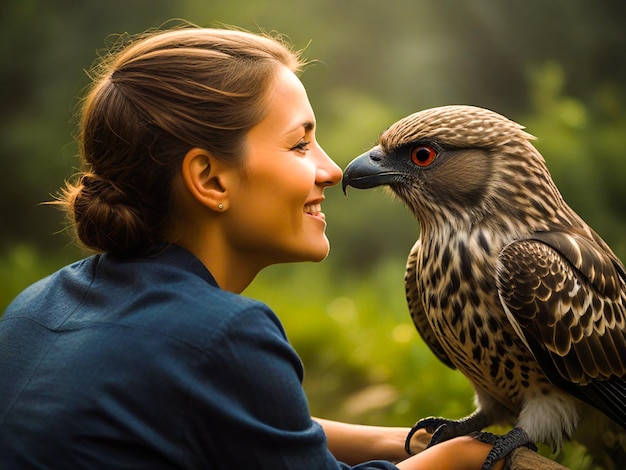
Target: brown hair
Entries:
(158, 97)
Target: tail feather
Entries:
(609, 396)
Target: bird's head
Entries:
(453, 161)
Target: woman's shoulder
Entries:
(171, 295)
(181, 299)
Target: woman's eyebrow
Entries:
(307, 125)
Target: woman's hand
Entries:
(354, 444)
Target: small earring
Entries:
(220, 206)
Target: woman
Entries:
(200, 169)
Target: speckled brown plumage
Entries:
(506, 282)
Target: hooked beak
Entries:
(368, 171)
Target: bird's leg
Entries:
(503, 445)
(443, 429)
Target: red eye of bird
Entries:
(423, 155)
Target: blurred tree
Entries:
(45, 48)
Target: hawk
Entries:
(506, 283)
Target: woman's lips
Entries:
(314, 210)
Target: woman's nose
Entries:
(328, 172)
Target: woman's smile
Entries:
(315, 210)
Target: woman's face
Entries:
(275, 208)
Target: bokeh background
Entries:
(558, 67)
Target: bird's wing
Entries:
(416, 307)
(566, 298)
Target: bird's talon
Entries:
(443, 433)
(504, 445)
(486, 437)
(430, 424)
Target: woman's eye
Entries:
(301, 146)
(423, 155)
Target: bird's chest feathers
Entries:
(458, 285)
(457, 281)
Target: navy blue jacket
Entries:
(148, 364)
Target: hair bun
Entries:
(102, 188)
(104, 216)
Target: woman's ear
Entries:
(203, 176)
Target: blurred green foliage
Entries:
(557, 67)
